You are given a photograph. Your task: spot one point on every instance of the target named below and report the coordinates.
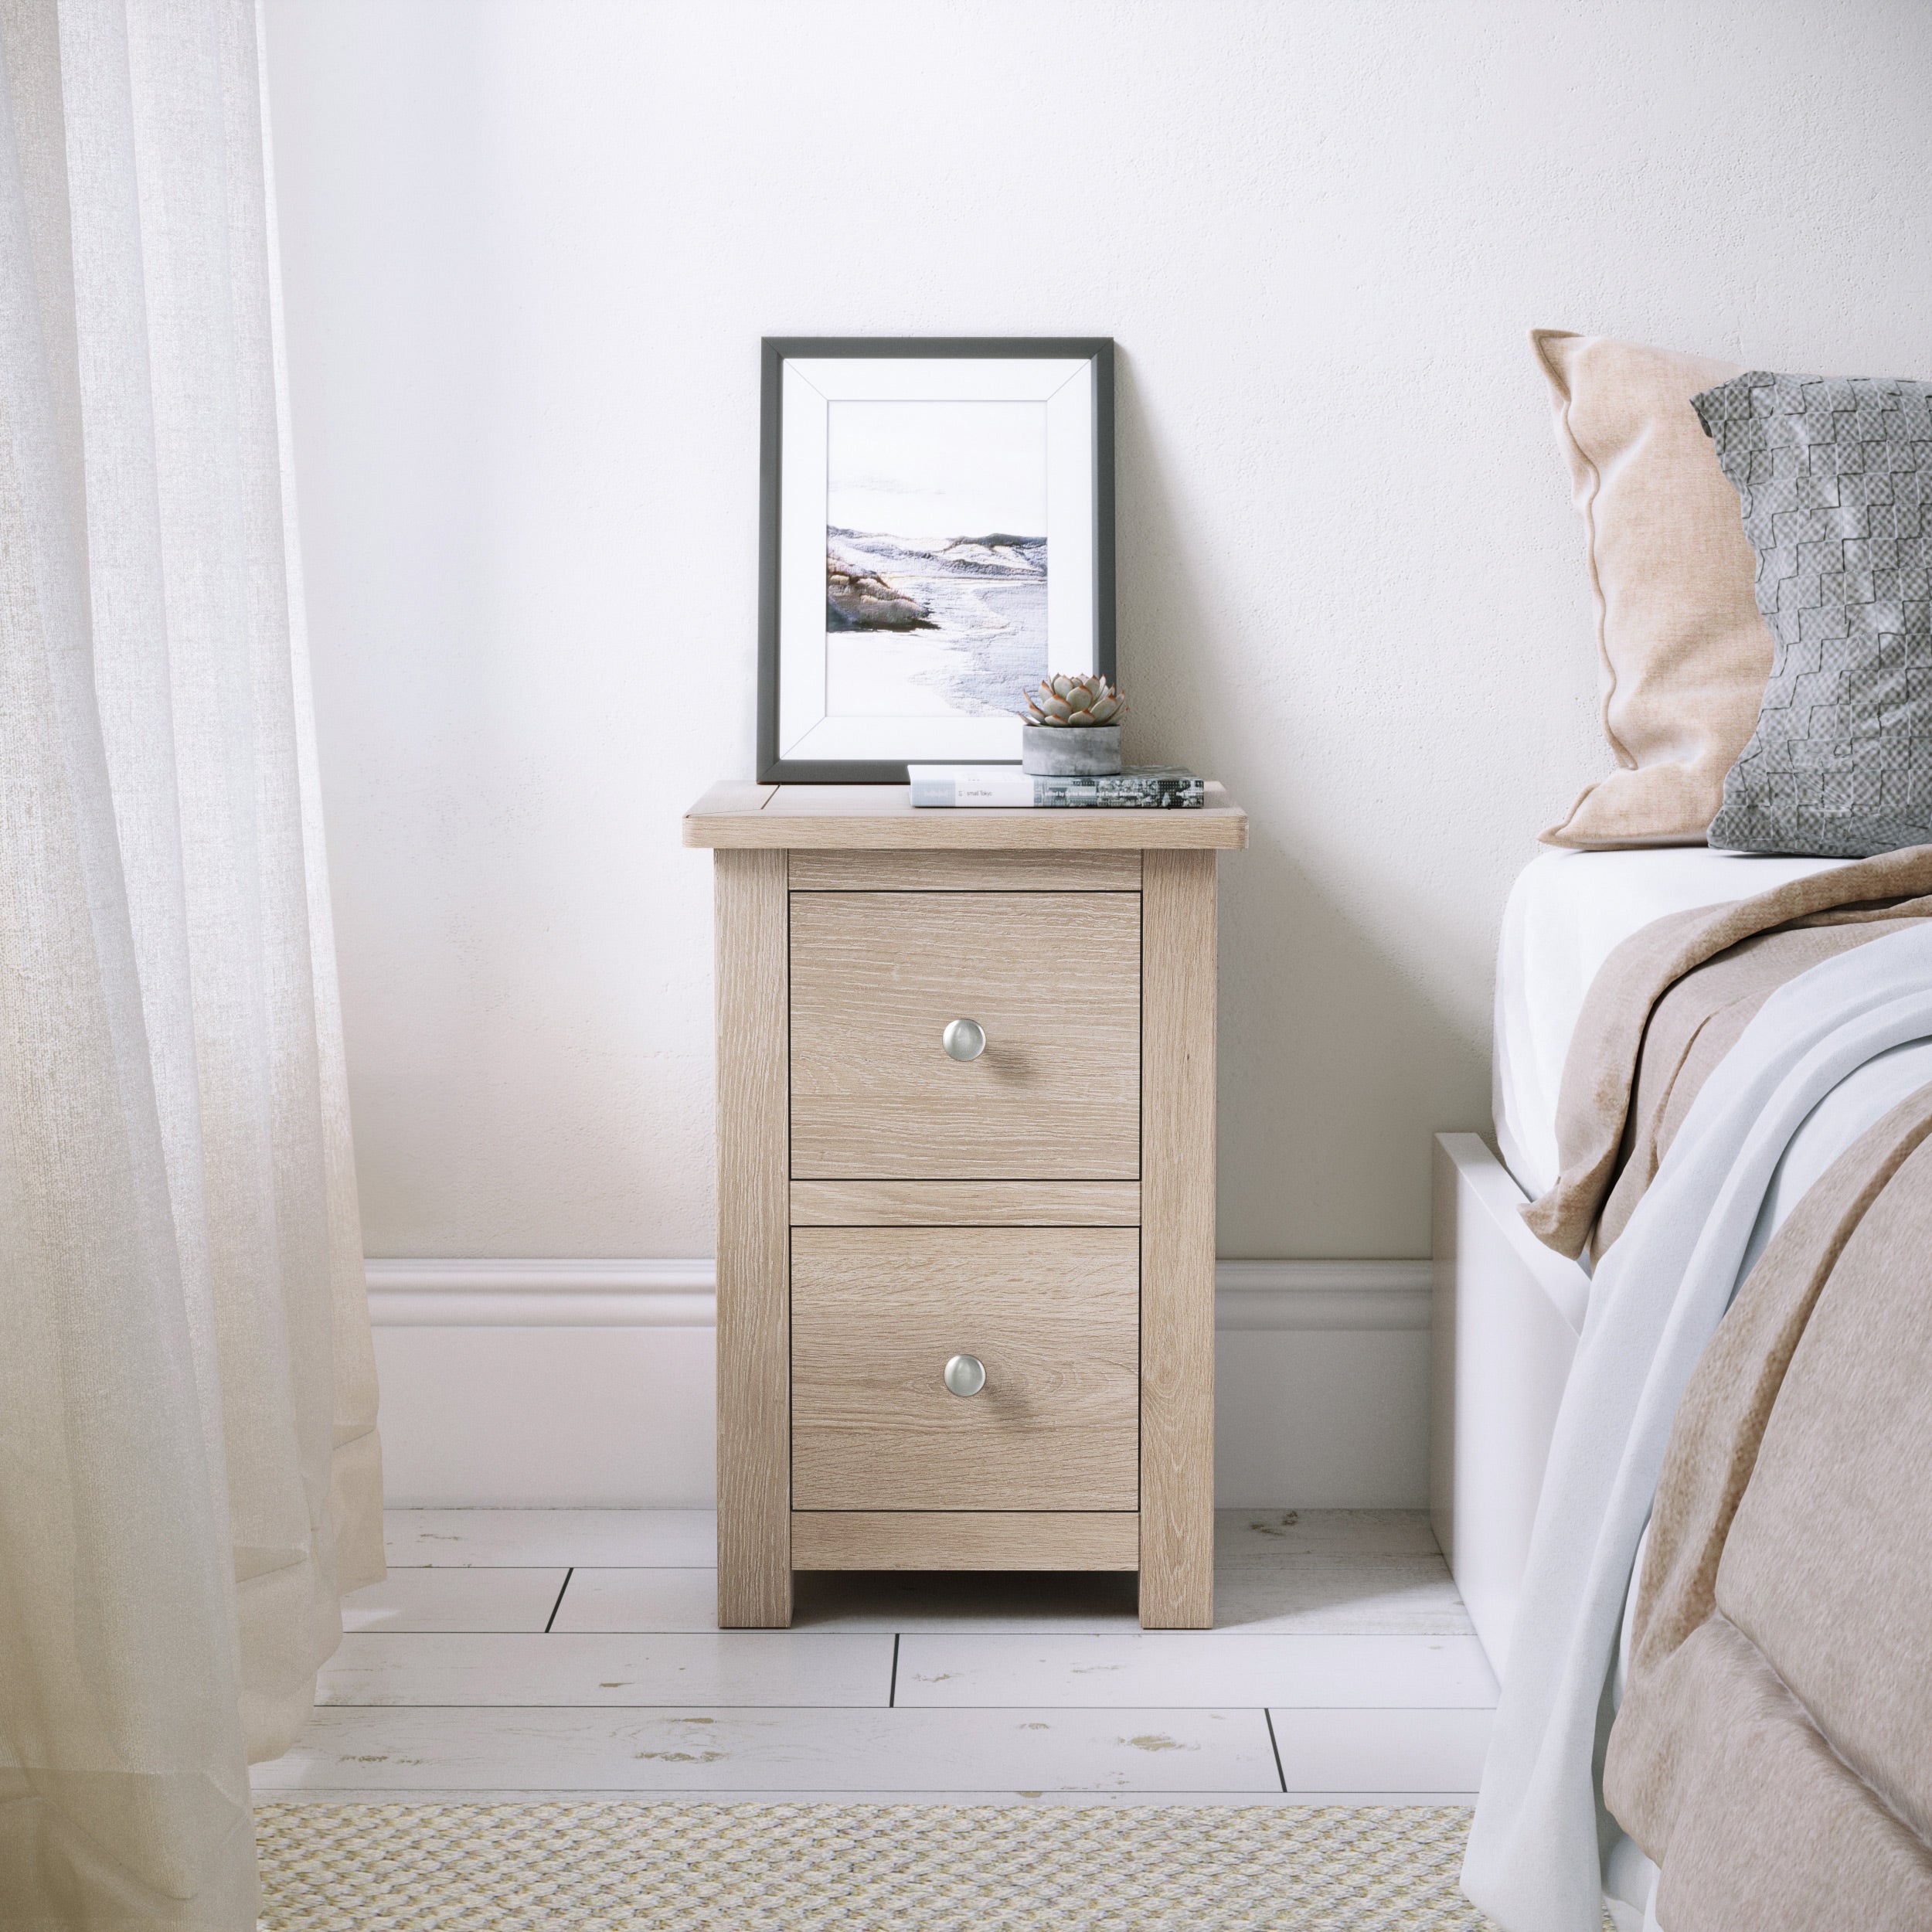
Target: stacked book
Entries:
(1137, 787)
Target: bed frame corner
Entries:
(1505, 1318)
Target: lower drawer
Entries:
(1053, 1313)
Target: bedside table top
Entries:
(882, 818)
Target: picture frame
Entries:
(901, 613)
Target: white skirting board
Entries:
(590, 1384)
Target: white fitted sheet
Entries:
(1567, 911)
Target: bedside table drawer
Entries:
(1051, 1313)
(1052, 979)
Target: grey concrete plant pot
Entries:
(1070, 751)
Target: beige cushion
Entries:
(1683, 654)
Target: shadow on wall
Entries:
(1328, 1043)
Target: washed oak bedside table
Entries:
(965, 1190)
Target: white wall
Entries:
(530, 245)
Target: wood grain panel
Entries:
(967, 872)
(1091, 1204)
(965, 1540)
(882, 818)
(731, 798)
(1052, 1313)
(754, 1505)
(1053, 978)
(1177, 1243)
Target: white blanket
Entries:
(1535, 1853)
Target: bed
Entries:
(1510, 1309)
(1681, 1426)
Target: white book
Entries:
(982, 785)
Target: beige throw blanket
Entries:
(1773, 1750)
(1669, 1003)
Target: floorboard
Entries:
(1195, 1667)
(818, 1751)
(517, 1656)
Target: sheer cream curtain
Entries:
(189, 1469)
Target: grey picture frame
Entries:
(775, 350)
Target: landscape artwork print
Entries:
(935, 557)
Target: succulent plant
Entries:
(1065, 700)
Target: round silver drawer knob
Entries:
(965, 1040)
(965, 1374)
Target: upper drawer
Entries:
(1053, 979)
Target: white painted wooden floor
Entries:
(528, 1654)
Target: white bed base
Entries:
(1507, 1314)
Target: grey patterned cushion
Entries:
(1836, 480)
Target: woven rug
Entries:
(505, 1867)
